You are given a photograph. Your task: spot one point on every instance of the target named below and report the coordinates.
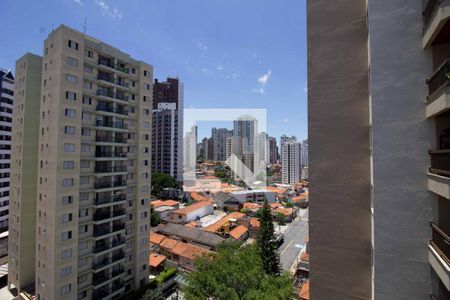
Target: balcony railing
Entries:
(106, 93)
(110, 139)
(117, 271)
(119, 212)
(99, 231)
(118, 227)
(110, 154)
(100, 294)
(440, 242)
(108, 63)
(99, 216)
(104, 185)
(440, 162)
(120, 82)
(100, 279)
(118, 256)
(100, 264)
(109, 199)
(110, 169)
(117, 242)
(439, 79)
(429, 11)
(119, 125)
(111, 109)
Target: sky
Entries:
(228, 53)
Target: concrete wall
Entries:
(339, 154)
(401, 137)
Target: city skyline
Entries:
(240, 69)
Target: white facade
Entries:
(6, 107)
(305, 153)
(190, 213)
(290, 162)
(254, 196)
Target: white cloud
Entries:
(78, 2)
(305, 89)
(202, 46)
(265, 78)
(112, 12)
(285, 120)
(204, 70)
(219, 68)
(260, 91)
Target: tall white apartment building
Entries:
(6, 109)
(93, 171)
(304, 153)
(290, 164)
(219, 139)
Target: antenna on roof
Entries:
(85, 25)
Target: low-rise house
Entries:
(193, 212)
(252, 224)
(232, 205)
(304, 291)
(194, 236)
(220, 198)
(288, 213)
(185, 254)
(164, 207)
(222, 226)
(239, 233)
(156, 262)
(257, 196)
(197, 197)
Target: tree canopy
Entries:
(267, 242)
(161, 181)
(235, 272)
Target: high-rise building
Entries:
(93, 170)
(374, 125)
(24, 170)
(167, 127)
(273, 150)
(6, 110)
(290, 162)
(304, 153)
(246, 128)
(219, 139)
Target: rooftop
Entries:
(159, 203)
(194, 234)
(199, 197)
(250, 192)
(218, 225)
(156, 238)
(188, 250)
(155, 259)
(237, 232)
(304, 291)
(191, 208)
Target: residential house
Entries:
(192, 212)
(195, 236)
(222, 226)
(156, 262)
(239, 233)
(257, 196)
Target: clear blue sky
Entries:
(229, 53)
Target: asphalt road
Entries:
(294, 240)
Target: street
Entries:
(295, 236)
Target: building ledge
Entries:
(438, 103)
(439, 185)
(441, 268)
(440, 16)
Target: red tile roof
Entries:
(198, 197)
(156, 238)
(237, 232)
(251, 205)
(254, 222)
(188, 250)
(159, 203)
(168, 243)
(304, 291)
(218, 225)
(155, 259)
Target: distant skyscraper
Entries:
(283, 140)
(290, 164)
(219, 139)
(273, 150)
(190, 153)
(167, 127)
(6, 109)
(246, 127)
(305, 153)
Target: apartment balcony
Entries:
(100, 264)
(436, 15)
(109, 124)
(117, 271)
(438, 100)
(111, 95)
(110, 139)
(110, 169)
(110, 154)
(100, 248)
(100, 280)
(109, 64)
(439, 173)
(100, 216)
(119, 212)
(118, 256)
(109, 199)
(117, 82)
(100, 294)
(102, 231)
(439, 254)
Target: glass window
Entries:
(72, 61)
(66, 253)
(66, 218)
(73, 45)
(69, 147)
(67, 199)
(67, 182)
(71, 96)
(66, 235)
(68, 164)
(71, 113)
(69, 130)
(88, 69)
(66, 271)
(71, 78)
(65, 289)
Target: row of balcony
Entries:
(120, 82)
(109, 199)
(103, 215)
(110, 94)
(110, 139)
(102, 246)
(103, 123)
(110, 169)
(107, 261)
(107, 184)
(118, 154)
(107, 108)
(108, 63)
(104, 230)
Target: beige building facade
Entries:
(93, 170)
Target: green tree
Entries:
(267, 242)
(161, 181)
(235, 272)
(154, 217)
